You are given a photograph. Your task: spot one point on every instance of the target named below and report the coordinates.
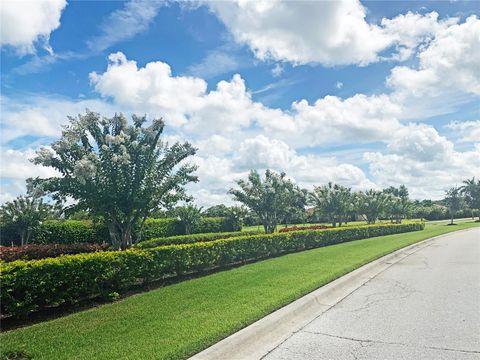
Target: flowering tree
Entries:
(115, 170)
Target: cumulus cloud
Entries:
(424, 161)
(186, 104)
(326, 32)
(25, 23)
(448, 72)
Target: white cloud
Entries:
(469, 131)
(125, 23)
(448, 73)
(330, 120)
(186, 104)
(424, 161)
(24, 23)
(338, 84)
(325, 32)
(42, 116)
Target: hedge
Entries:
(193, 238)
(31, 285)
(84, 231)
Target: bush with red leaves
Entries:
(42, 251)
(298, 228)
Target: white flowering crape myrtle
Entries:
(119, 171)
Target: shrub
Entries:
(300, 228)
(31, 285)
(84, 231)
(188, 239)
(42, 251)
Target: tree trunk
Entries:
(451, 219)
(22, 237)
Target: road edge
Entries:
(259, 338)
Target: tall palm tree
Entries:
(471, 190)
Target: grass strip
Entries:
(180, 320)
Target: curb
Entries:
(260, 338)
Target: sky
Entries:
(365, 94)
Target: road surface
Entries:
(426, 306)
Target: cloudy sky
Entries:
(365, 94)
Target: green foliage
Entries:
(398, 206)
(118, 171)
(270, 198)
(453, 201)
(23, 216)
(471, 190)
(190, 216)
(31, 285)
(332, 201)
(75, 231)
(188, 239)
(371, 204)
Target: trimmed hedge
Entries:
(42, 251)
(193, 238)
(84, 231)
(31, 285)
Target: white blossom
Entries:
(84, 169)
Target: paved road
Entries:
(426, 306)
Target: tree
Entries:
(118, 171)
(399, 205)
(267, 198)
(295, 200)
(332, 201)
(471, 191)
(370, 204)
(24, 215)
(190, 216)
(453, 201)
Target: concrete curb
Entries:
(258, 339)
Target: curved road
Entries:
(426, 306)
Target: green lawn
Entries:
(179, 320)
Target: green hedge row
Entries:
(31, 285)
(193, 238)
(75, 231)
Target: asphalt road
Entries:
(426, 306)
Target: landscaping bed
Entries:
(29, 286)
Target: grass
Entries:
(179, 320)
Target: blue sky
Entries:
(366, 94)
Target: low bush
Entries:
(42, 251)
(193, 238)
(300, 228)
(31, 285)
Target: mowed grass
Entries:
(180, 320)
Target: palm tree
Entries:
(454, 201)
(332, 200)
(471, 191)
